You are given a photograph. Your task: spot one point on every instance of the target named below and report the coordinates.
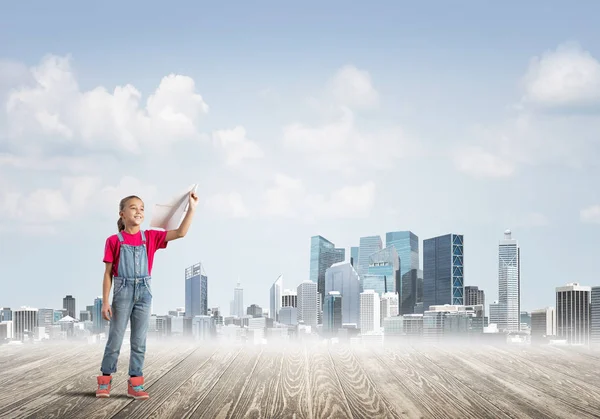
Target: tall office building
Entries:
(99, 322)
(509, 283)
(69, 305)
(254, 310)
(383, 274)
(389, 305)
(573, 313)
(323, 254)
(45, 317)
(543, 324)
(595, 315)
(367, 246)
(332, 312)
(474, 296)
(196, 291)
(443, 270)
(289, 298)
(409, 289)
(24, 322)
(307, 303)
(5, 314)
(275, 302)
(370, 312)
(342, 277)
(91, 310)
(354, 257)
(238, 301)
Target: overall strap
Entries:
(143, 236)
(120, 236)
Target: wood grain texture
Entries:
(292, 395)
(306, 380)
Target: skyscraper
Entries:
(289, 298)
(474, 296)
(342, 277)
(509, 283)
(368, 246)
(323, 254)
(443, 270)
(595, 316)
(238, 301)
(384, 264)
(573, 313)
(99, 321)
(69, 305)
(543, 324)
(196, 291)
(24, 322)
(276, 291)
(307, 303)
(354, 256)
(5, 314)
(370, 312)
(332, 312)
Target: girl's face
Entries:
(133, 213)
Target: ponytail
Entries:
(120, 225)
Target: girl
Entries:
(128, 257)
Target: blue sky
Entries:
(344, 120)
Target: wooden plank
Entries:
(328, 398)
(419, 388)
(510, 402)
(255, 400)
(188, 396)
(167, 383)
(528, 384)
(102, 408)
(32, 382)
(67, 397)
(363, 398)
(388, 386)
(36, 358)
(218, 401)
(292, 395)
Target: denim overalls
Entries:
(132, 298)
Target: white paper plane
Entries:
(170, 215)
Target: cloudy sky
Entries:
(343, 120)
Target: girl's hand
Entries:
(106, 311)
(193, 200)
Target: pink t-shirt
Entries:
(155, 239)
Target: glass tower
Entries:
(368, 245)
(323, 254)
(443, 270)
(196, 291)
(509, 283)
(409, 288)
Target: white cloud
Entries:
(481, 163)
(568, 76)
(290, 198)
(55, 108)
(353, 88)
(236, 146)
(37, 162)
(77, 196)
(340, 146)
(590, 214)
(228, 204)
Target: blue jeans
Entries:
(132, 299)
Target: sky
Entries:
(341, 120)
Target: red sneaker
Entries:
(135, 388)
(103, 386)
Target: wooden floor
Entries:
(305, 381)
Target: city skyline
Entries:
(370, 122)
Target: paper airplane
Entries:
(170, 215)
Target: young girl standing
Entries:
(128, 258)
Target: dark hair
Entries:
(120, 223)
